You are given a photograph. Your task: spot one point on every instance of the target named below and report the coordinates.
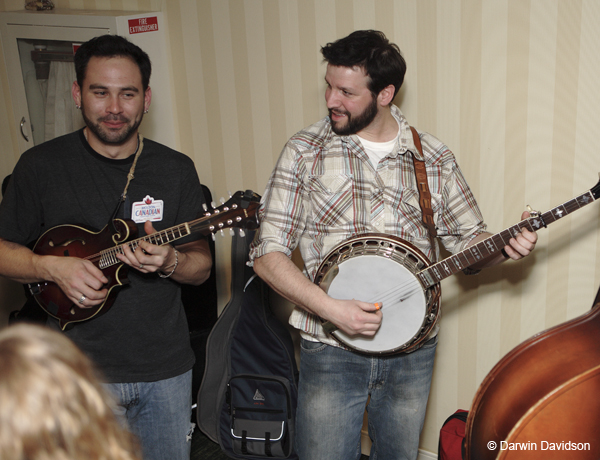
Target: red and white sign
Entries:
(148, 209)
(141, 25)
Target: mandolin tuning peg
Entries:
(229, 193)
(222, 200)
(222, 232)
(242, 233)
(231, 232)
(213, 237)
(204, 207)
(213, 204)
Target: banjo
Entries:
(376, 267)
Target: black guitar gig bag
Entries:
(247, 399)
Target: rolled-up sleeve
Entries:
(460, 219)
(281, 213)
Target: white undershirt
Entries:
(378, 150)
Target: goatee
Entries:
(355, 124)
(108, 136)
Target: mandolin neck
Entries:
(108, 257)
(239, 212)
(164, 236)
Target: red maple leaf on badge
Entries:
(148, 200)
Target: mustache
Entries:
(119, 118)
(339, 112)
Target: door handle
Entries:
(22, 133)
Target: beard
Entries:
(112, 137)
(356, 123)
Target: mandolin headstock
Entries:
(240, 212)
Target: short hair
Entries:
(52, 403)
(108, 46)
(381, 60)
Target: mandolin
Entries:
(101, 248)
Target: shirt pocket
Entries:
(408, 202)
(331, 199)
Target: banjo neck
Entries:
(494, 244)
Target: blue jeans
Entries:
(159, 413)
(333, 391)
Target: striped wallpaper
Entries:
(509, 85)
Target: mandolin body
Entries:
(79, 241)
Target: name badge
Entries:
(147, 209)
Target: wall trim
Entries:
(426, 455)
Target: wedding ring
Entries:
(82, 298)
(141, 266)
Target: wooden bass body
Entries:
(542, 400)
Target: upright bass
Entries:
(542, 400)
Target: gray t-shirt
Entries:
(144, 335)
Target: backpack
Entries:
(452, 435)
(248, 396)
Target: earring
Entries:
(146, 111)
(77, 107)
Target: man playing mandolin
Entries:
(349, 174)
(93, 177)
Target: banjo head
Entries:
(380, 268)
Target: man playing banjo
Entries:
(350, 174)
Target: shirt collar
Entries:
(405, 139)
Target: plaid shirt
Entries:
(325, 190)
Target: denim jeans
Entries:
(333, 391)
(159, 413)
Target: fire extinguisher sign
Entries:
(141, 25)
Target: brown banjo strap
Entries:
(423, 186)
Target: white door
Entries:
(40, 79)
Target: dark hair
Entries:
(111, 46)
(371, 50)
